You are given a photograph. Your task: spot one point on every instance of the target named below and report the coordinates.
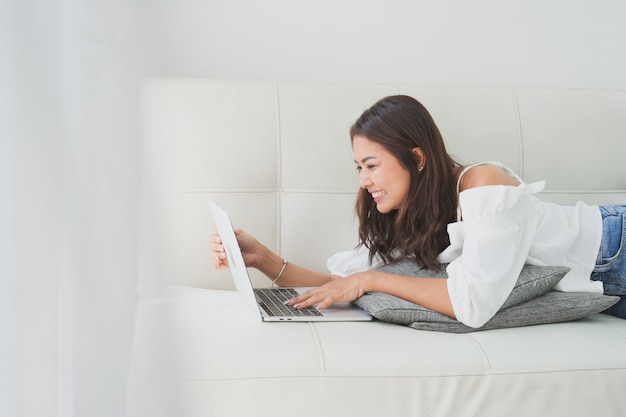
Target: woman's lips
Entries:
(377, 195)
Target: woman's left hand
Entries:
(339, 290)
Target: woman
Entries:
(416, 202)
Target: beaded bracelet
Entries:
(280, 273)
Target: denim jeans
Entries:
(611, 262)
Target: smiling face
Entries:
(381, 174)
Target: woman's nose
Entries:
(364, 180)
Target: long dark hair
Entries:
(418, 228)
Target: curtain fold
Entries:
(68, 216)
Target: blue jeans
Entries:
(611, 262)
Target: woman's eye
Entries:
(369, 168)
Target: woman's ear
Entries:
(420, 158)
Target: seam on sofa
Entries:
(217, 190)
(322, 191)
(426, 375)
(481, 350)
(611, 329)
(313, 191)
(520, 132)
(579, 191)
(320, 347)
(279, 170)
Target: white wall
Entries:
(532, 43)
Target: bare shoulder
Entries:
(483, 175)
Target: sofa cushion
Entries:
(530, 302)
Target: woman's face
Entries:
(380, 173)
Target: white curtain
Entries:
(68, 205)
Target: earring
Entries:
(420, 169)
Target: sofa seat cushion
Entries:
(201, 352)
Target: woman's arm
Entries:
(293, 275)
(431, 293)
(256, 255)
(487, 174)
(498, 229)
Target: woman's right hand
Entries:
(250, 249)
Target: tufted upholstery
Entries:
(277, 157)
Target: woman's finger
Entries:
(311, 298)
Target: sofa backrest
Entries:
(277, 156)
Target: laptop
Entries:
(268, 302)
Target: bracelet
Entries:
(280, 273)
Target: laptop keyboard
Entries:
(272, 301)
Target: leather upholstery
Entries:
(277, 157)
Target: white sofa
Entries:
(277, 156)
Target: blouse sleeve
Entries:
(499, 224)
(350, 262)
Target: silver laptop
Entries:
(268, 302)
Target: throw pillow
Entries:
(532, 282)
(531, 302)
(553, 307)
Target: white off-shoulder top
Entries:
(502, 228)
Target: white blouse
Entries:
(503, 228)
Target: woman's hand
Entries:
(256, 255)
(339, 290)
(250, 248)
(431, 293)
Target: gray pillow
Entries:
(553, 307)
(531, 302)
(532, 282)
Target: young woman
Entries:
(416, 202)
